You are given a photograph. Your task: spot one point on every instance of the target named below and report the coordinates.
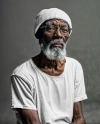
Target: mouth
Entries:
(57, 45)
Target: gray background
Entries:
(18, 44)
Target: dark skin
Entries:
(53, 68)
(78, 117)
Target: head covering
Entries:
(51, 13)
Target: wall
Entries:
(18, 44)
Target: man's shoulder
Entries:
(22, 68)
(72, 61)
(73, 64)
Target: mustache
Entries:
(46, 41)
(54, 42)
(59, 41)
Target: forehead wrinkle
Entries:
(56, 22)
(59, 20)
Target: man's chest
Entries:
(53, 71)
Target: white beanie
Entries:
(51, 13)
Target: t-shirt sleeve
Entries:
(22, 94)
(80, 91)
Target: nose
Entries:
(58, 34)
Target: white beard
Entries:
(54, 53)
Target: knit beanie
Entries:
(51, 13)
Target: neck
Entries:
(44, 62)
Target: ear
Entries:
(39, 33)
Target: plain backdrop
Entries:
(18, 44)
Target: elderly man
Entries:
(49, 87)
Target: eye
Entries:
(64, 30)
(50, 29)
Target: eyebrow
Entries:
(51, 23)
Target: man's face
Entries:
(61, 31)
(53, 42)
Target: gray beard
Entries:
(54, 52)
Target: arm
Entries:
(78, 117)
(29, 116)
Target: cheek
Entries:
(48, 36)
(66, 37)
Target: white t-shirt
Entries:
(51, 96)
